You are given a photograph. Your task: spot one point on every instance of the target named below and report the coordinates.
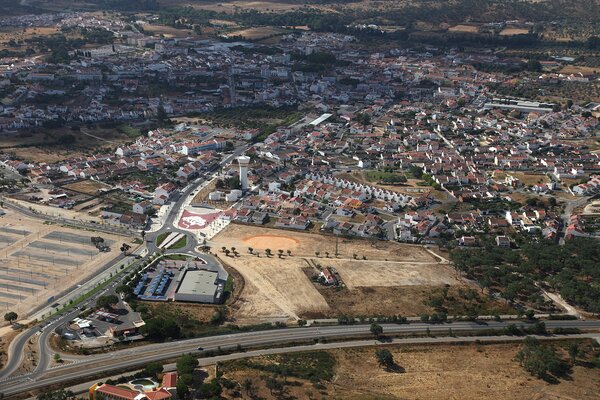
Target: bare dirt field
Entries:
(87, 186)
(39, 260)
(271, 241)
(275, 289)
(357, 273)
(461, 371)
(280, 288)
(306, 244)
(513, 31)
(463, 28)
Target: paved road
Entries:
(135, 357)
(83, 387)
(17, 347)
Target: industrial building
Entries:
(199, 286)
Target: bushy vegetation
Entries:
(541, 360)
(571, 269)
(314, 366)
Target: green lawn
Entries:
(161, 238)
(376, 176)
(130, 131)
(182, 257)
(180, 243)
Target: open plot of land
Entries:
(257, 33)
(306, 244)
(88, 187)
(530, 179)
(275, 289)
(233, 6)
(20, 34)
(167, 31)
(463, 28)
(39, 261)
(442, 371)
(513, 31)
(280, 288)
(369, 273)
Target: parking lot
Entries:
(38, 261)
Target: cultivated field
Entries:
(280, 288)
(39, 261)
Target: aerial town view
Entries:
(300, 199)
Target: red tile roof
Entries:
(161, 394)
(117, 392)
(169, 380)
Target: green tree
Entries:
(153, 369)
(182, 390)
(11, 316)
(209, 390)
(107, 301)
(385, 358)
(123, 289)
(376, 330)
(574, 352)
(160, 328)
(541, 361)
(186, 364)
(56, 395)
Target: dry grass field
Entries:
(257, 33)
(463, 28)
(36, 146)
(87, 186)
(280, 288)
(513, 31)
(579, 69)
(21, 34)
(443, 371)
(358, 273)
(525, 178)
(167, 31)
(231, 6)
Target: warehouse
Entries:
(199, 286)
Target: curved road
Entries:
(17, 346)
(95, 365)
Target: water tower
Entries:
(244, 161)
